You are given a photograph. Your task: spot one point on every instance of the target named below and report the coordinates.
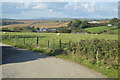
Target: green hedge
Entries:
(100, 52)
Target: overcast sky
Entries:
(28, 10)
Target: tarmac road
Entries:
(22, 63)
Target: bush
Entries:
(63, 30)
(101, 52)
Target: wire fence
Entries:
(36, 41)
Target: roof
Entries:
(94, 22)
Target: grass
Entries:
(116, 30)
(110, 73)
(99, 29)
(54, 46)
(67, 36)
(54, 39)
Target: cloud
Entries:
(71, 6)
(40, 6)
(70, 9)
(23, 5)
(50, 10)
(90, 7)
(115, 10)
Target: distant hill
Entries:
(5, 19)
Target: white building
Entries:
(109, 24)
(94, 22)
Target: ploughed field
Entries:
(49, 24)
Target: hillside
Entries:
(50, 24)
(99, 29)
(40, 25)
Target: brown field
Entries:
(28, 21)
(50, 25)
(40, 25)
(16, 25)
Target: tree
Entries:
(114, 21)
(84, 24)
(63, 30)
(74, 23)
(70, 23)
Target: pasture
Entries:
(99, 29)
(54, 39)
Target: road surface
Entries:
(22, 63)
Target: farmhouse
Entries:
(46, 29)
(42, 30)
(94, 22)
(109, 24)
(52, 29)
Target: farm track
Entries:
(22, 63)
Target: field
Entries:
(47, 24)
(16, 25)
(116, 30)
(50, 25)
(66, 36)
(54, 39)
(85, 53)
(99, 29)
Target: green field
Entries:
(67, 36)
(116, 30)
(99, 29)
(54, 39)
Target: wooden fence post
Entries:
(31, 41)
(69, 44)
(48, 44)
(37, 41)
(53, 44)
(9, 38)
(60, 44)
(23, 40)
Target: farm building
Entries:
(42, 30)
(109, 24)
(94, 22)
(52, 29)
(46, 29)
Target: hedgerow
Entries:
(98, 51)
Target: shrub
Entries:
(100, 52)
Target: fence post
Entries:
(37, 41)
(9, 38)
(69, 44)
(53, 44)
(48, 43)
(23, 40)
(31, 41)
(60, 44)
